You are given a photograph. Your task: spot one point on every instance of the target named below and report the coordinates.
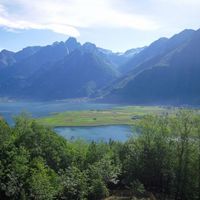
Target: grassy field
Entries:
(126, 115)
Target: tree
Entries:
(73, 184)
(43, 181)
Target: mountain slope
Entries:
(165, 72)
(120, 59)
(62, 70)
(171, 77)
(26, 52)
(78, 75)
(158, 48)
(6, 58)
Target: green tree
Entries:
(43, 181)
(73, 184)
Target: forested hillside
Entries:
(163, 161)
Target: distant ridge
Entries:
(58, 71)
(165, 72)
(168, 74)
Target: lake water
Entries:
(39, 109)
(98, 133)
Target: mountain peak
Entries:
(183, 35)
(188, 31)
(72, 44)
(57, 43)
(71, 40)
(4, 51)
(89, 46)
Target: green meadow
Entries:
(126, 115)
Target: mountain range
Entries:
(165, 72)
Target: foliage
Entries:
(163, 159)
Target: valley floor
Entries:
(126, 115)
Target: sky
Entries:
(113, 24)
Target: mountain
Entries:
(119, 59)
(157, 48)
(169, 73)
(165, 72)
(26, 52)
(61, 70)
(133, 52)
(78, 75)
(6, 58)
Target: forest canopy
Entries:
(164, 160)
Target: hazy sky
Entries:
(114, 24)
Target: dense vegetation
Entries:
(38, 164)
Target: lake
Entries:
(98, 133)
(40, 109)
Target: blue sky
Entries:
(114, 24)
